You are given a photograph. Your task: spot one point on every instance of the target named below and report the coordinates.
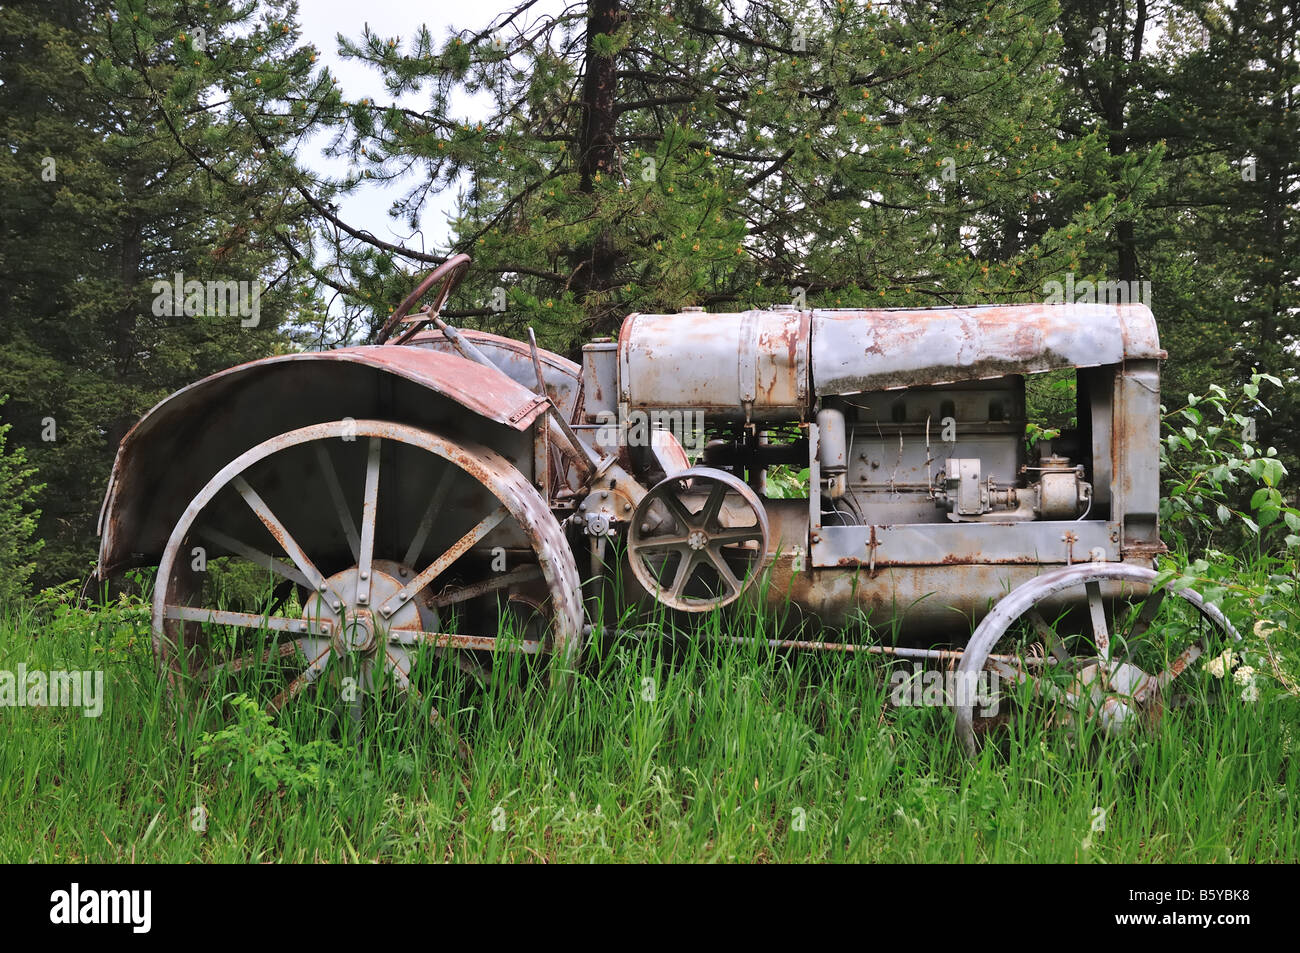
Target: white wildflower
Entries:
(1250, 693)
(1264, 628)
(1244, 675)
(1220, 665)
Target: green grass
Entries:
(667, 750)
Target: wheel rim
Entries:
(372, 591)
(1116, 670)
(702, 558)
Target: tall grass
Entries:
(673, 746)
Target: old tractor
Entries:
(471, 495)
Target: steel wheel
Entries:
(383, 532)
(1134, 642)
(698, 539)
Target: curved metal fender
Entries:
(186, 438)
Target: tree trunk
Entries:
(594, 264)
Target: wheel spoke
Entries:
(658, 543)
(369, 506)
(682, 576)
(679, 511)
(336, 494)
(432, 571)
(254, 555)
(401, 675)
(1100, 632)
(430, 512)
(729, 536)
(724, 571)
(282, 535)
(1017, 674)
(514, 577)
(1048, 634)
(465, 661)
(712, 506)
(356, 707)
(1156, 683)
(248, 620)
(454, 641)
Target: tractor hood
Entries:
(856, 350)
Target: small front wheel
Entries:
(1133, 642)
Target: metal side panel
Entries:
(964, 544)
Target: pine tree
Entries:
(644, 156)
(1211, 88)
(18, 516)
(131, 159)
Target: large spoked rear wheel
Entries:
(1094, 641)
(388, 541)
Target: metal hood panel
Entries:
(858, 350)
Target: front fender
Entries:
(177, 446)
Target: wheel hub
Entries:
(354, 627)
(697, 540)
(358, 635)
(1111, 692)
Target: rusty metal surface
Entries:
(513, 358)
(855, 351)
(956, 544)
(1135, 452)
(213, 420)
(916, 605)
(750, 364)
(600, 379)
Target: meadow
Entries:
(672, 746)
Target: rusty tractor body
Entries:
(450, 490)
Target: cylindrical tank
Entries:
(742, 366)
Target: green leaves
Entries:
(264, 756)
(855, 161)
(18, 492)
(158, 166)
(1212, 465)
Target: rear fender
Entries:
(178, 446)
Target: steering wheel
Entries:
(450, 273)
